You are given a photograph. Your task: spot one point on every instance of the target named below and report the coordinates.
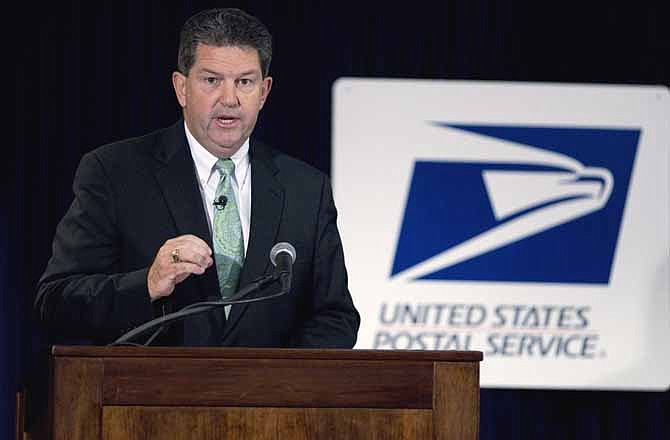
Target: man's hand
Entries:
(175, 261)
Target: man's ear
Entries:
(265, 89)
(179, 84)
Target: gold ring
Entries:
(175, 255)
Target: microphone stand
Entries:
(204, 306)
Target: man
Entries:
(190, 213)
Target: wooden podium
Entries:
(234, 393)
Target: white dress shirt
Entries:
(208, 180)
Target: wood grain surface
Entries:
(276, 382)
(77, 401)
(219, 393)
(456, 401)
(175, 423)
(267, 353)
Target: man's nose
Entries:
(228, 94)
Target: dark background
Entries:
(88, 73)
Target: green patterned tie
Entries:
(228, 243)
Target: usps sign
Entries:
(527, 221)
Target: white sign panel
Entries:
(527, 221)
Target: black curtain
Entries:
(88, 73)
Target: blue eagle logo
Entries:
(550, 212)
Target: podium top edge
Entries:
(265, 353)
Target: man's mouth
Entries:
(226, 121)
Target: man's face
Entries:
(222, 95)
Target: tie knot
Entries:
(225, 166)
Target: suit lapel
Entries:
(267, 202)
(177, 178)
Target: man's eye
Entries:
(211, 80)
(246, 82)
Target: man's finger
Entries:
(190, 241)
(189, 255)
(176, 270)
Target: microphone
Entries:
(220, 203)
(283, 256)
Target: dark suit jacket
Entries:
(133, 195)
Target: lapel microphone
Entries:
(220, 203)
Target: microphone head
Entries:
(282, 247)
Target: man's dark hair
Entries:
(224, 27)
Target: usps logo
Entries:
(528, 221)
(551, 213)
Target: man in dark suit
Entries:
(190, 213)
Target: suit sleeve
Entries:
(334, 322)
(84, 293)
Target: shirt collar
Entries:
(205, 161)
